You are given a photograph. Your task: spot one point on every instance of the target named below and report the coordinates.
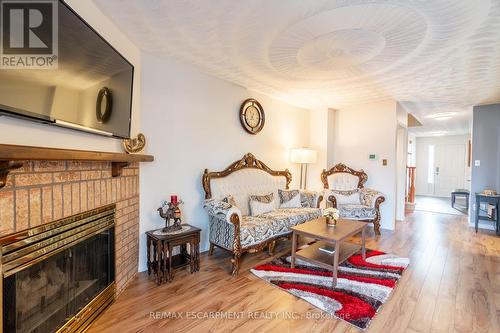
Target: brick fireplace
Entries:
(69, 234)
(44, 191)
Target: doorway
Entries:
(449, 169)
(442, 166)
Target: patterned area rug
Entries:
(363, 286)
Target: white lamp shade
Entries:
(303, 155)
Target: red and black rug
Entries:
(363, 286)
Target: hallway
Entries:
(440, 205)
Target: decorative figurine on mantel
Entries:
(134, 145)
(172, 214)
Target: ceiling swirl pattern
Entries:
(330, 53)
(347, 43)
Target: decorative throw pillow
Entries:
(309, 199)
(266, 198)
(347, 197)
(260, 204)
(230, 200)
(289, 199)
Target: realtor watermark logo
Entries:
(29, 34)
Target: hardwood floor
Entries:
(451, 285)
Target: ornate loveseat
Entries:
(345, 191)
(230, 225)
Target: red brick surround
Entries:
(44, 191)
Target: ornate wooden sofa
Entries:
(230, 225)
(345, 191)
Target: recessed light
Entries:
(437, 133)
(441, 115)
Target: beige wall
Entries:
(318, 141)
(366, 129)
(192, 122)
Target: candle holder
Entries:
(172, 215)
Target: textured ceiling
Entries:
(460, 121)
(433, 55)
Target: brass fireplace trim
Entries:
(57, 237)
(22, 238)
(28, 247)
(13, 266)
(86, 316)
(52, 239)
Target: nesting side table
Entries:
(160, 258)
(492, 200)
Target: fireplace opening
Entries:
(59, 277)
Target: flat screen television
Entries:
(90, 90)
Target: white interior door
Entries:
(449, 169)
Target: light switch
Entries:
(384, 162)
(477, 163)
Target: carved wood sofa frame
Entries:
(247, 162)
(363, 177)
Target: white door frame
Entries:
(401, 162)
(426, 166)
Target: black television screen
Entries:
(90, 90)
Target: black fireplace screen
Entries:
(42, 297)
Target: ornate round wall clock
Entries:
(252, 116)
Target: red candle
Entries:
(173, 199)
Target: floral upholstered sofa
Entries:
(250, 207)
(344, 190)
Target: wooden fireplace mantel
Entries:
(11, 157)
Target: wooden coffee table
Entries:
(325, 235)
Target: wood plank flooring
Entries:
(451, 285)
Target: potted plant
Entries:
(331, 215)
